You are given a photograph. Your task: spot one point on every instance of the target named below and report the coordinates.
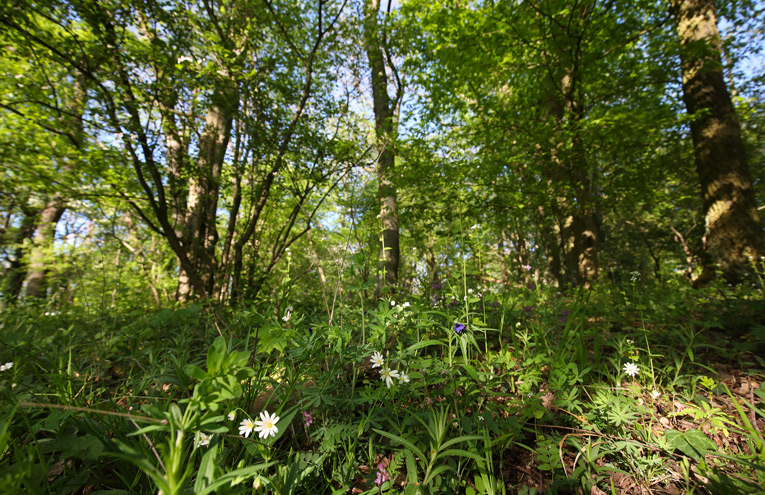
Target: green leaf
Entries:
(424, 343)
(195, 372)
(206, 473)
(215, 356)
(411, 468)
(436, 471)
(471, 371)
(460, 453)
(692, 443)
(402, 441)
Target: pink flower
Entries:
(308, 418)
(382, 475)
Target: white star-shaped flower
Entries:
(655, 394)
(377, 360)
(204, 439)
(403, 377)
(631, 369)
(267, 425)
(387, 375)
(246, 427)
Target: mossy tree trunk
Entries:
(733, 231)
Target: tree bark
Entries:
(384, 109)
(17, 271)
(733, 229)
(54, 209)
(200, 231)
(42, 243)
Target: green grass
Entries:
(531, 397)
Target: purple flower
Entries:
(528, 310)
(308, 418)
(436, 286)
(458, 328)
(532, 286)
(527, 268)
(382, 475)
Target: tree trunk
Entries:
(200, 232)
(733, 230)
(17, 271)
(385, 133)
(42, 243)
(46, 231)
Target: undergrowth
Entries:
(644, 388)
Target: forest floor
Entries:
(609, 392)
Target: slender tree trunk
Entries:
(42, 243)
(550, 235)
(733, 229)
(17, 271)
(46, 231)
(384, 109)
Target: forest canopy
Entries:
(189, 147)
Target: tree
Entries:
(733, 231)
(386, 123)
(156, 69)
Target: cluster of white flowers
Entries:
(6, 366)
(386, 374)
(265, 426)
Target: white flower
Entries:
(246, 427)
(258, 482)
(481, 418)
(377, 360)
(518, 324)
(655, 394)
(630, 341)
(393, 303)
(184, 58)
(267, 425)
(403, 377)
(204, 439)
(470, 291)
(405, 305)
(631, 369)
(6, 366)
(387, 375)
(287, 314)
(232, 416)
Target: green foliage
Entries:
(144, 403)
